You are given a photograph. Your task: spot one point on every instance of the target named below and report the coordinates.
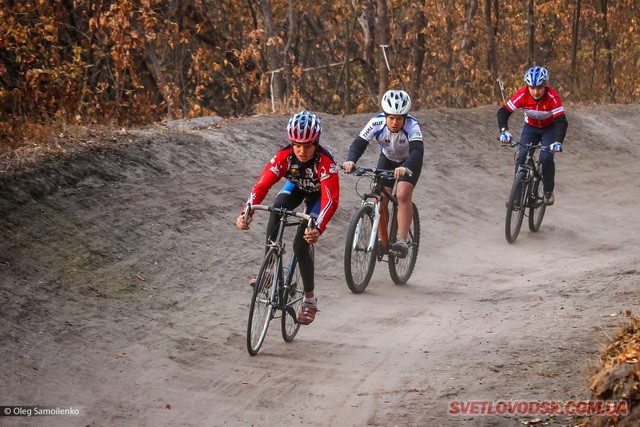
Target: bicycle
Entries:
(278, 287)
(362, 247)
(526, 193)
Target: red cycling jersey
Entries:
(539, 113)
(320, 174)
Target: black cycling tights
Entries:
(301, 248)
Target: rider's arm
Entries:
(329, 191)
(503, 117)
(416, 153)
(366, 135)
(510, 106)
(416, 146)
(560, 125)
(357, 149)
(271, 174)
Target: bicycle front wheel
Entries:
(536, 206)
(515, 207)
(262, 307)
(400, 269)
(293, 301)
(359, 261)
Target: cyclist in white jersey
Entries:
(400, 139)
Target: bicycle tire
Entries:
(400, 269)
(515, 207)
(358, 262)
(262, 308)
(536, 206)
(290, 325)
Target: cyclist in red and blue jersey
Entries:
(312, 177)
(400, 138)
(545, 121)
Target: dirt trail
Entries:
(122, 282)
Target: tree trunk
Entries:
(465, 60)
(384, 38)
(277, 86)
(289, 55)
(574, 43)
(492, 55)
(347, 70)
(367, 22)
(447, 76)
(606, 41)
(419, 49)
(531, 59)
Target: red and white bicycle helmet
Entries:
(396, 102)
(304, 128)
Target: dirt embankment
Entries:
(123, 282)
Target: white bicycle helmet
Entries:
(304, 128)
(536, 76)
(396, 102)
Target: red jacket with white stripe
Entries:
(320, 174)
(541, 113)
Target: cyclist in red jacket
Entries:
(544, 119)
(312, 177)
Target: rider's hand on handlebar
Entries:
(506, 137)
(311, 235)
(243, 223)
(348, 166)
(399, 172)
(556, 147)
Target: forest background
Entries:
(66, 63)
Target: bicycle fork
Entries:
(374, 228)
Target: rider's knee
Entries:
(403, 198)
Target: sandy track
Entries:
(123, 294)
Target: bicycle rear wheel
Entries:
(262, 307)
(536, 206)
(359, 262)
(515, 207)
(293, 301)
(400, 269)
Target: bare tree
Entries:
(602, 9)
(466, 45)
(366, 19)
(288, 49)
(531, 34)
(491, 25)
(419, 49)
(277, 91)
(574, 42)
(384, 40)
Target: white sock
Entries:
(312, 300)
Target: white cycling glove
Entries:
(505, 137)
(556, 147)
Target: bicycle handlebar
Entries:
(384, 173)
(515, 143)
(311, 222)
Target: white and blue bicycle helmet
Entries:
(304, 128)
(536, 76)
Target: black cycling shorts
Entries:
(385, 163)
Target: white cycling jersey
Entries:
(395, 146)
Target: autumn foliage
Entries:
(127, 62)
